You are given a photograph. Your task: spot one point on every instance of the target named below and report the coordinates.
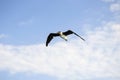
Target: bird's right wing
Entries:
(68, 32)
(71, 32)
(50, 37)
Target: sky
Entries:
(25, 25)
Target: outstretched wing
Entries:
(50, 37)
(79, 36)
(71, 32)
(68, 32)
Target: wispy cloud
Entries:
(25, 22)
(99, 56)
(108, 0)
(115, 7)
(3, 36)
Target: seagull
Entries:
(63, 35)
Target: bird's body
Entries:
(63, 35)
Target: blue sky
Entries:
(25, 25)
(28, 21)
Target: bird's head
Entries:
(59, 32)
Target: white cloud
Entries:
(99, 56)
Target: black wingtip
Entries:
(46, 45)
(83, 39)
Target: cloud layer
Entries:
(99, 56)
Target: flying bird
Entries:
(63, 35)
